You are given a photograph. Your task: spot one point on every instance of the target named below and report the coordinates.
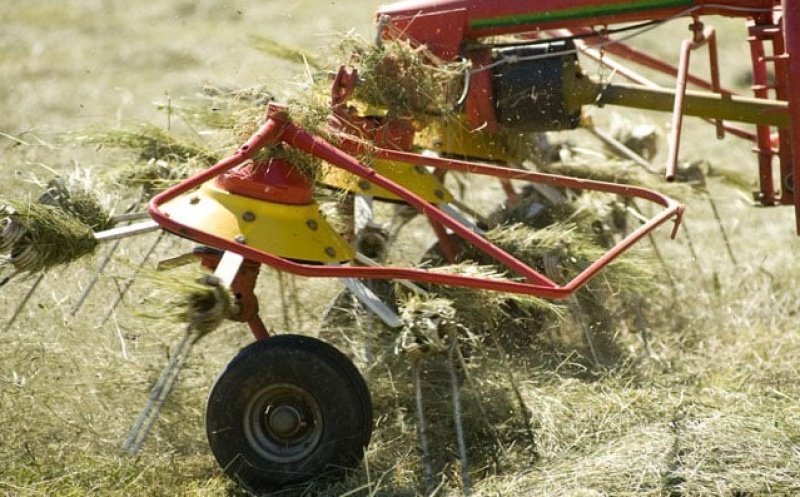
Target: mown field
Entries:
(701, 397)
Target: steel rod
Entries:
(23, 303)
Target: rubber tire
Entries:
(303, 363)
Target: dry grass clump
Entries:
(37, 237)
(483, 312)
(403, 79)
(76, 196)
(560, 251)
(201, 301)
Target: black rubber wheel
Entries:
(287, 409)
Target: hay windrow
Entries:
(38, 237)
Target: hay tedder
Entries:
(288, 406)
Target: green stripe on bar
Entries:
(577, 13)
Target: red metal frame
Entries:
(279, 128)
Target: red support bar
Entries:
(700, 38)
(763, 139)
(791, 30)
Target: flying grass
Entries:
(285, 52)
(199, 301)
(153, 176)
(217, 108)
(150, 142)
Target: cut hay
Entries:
(37, 237)
(404, 79)
(425, 321)
(483, 310)
(586, 322)
(562, 250)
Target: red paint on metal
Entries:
(764, 143)
(440, 30)
(396, 133)
(701, 37)
(479, 106)
(273, 180)
(481, 18)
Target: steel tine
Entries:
(129, 281)
(159, 393)
(226, 271)
(95, 278)
(23, 303)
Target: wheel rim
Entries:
(283, 423)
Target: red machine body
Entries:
(453, 29)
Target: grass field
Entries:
(709, 407)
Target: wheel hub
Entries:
(283, 423)
(284, 420)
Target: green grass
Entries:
(710, 407)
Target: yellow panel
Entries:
(291, 231)
(417, 179)
(455, 139)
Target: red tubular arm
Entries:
(277, 128)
